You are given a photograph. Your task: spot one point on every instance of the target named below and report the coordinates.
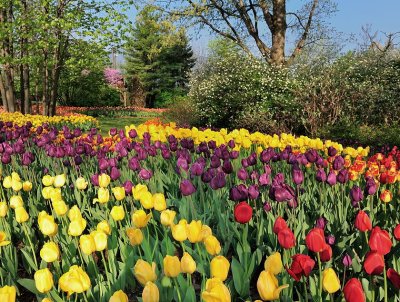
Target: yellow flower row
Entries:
(37, 120)
(243, 138)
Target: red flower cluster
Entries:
(243, 212)
(315, 241)
(302, 265)
(285, 235)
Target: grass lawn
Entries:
(106, 123)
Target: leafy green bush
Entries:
(237, 90)
(182, 111)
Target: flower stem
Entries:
(177, 289)
(320, 277)
(385, 283)
(31, 245)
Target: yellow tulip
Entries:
(3, 209)
(188, 265)
(46, 192)
(47, 180)
(144, 272)
(16, 185)
(140, 218)
(104, 226)
(135, 236)
(27, 186)
(219, 267)
(59, 180)
(75, 280)
(81, 183)
(8, 293)
(146, 200)
(55, 194)
(172, 266)
(100, 240)
(47, 300)
(46, 224)
(43, 280)
(15, 176)
(117, 213)
(7, 182)
(159, 202)
(267, 286)
(167, 217)
(50, 252)
(212, 244)
(179, 231)
(119, 296)
(119, 193)
(87, 244)
(104, 180)
(76, 227)
(273, 263)
(150, 293)
(216, 291)
(194, 231)
(103, 195)
(2, 241)
(205, 231)
(138, 190)
(330, 281)
(16, 201)
(60, 207)
(74, 213)
(21, 215)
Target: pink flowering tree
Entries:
(114, 77)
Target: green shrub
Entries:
(239, 90)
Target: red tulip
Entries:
(286, 238)
(353, 291)
(379, 241)
(315, 240)
(243, 212)
(326, 254)
(302, 265)
(362, 222)
(394, 277)
(374, 263)
(279, 225)
(397, 232)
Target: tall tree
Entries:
(158, 54)
(262, 23)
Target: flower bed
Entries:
(160, 213)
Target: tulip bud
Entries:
(194, 231)
(21, 215)
(27, 186)
(60, 207)
(144, 272)
(179, 231)
(135, 236)
(150, 293)
(386, 196)
(47, 180)
(117, 213)
(219, 267)
(119, 193)
(119, 296)
(59, 180)
(212, 244)
(3, 209)
(81, 183)
(8, 293)
(216, 290)
(167, 217)
(146, 200)
(87, 244)
(330, 281)
(76, 280)
(46, 224)
(104, 227)
(16, 201)
(172, 266)
(100, 240)
(140, 218)
(50, 252)
(76, 227)
(159, 202)
(273, 263)
(43, 280)
(267, 286)
(188, 265)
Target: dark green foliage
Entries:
(160, 57)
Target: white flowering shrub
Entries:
(238, 90)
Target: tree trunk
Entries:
(45, 87)
(279, 27)
(3, 94)
(25, 95)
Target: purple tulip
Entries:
(264, 179)
(128, 185)
(331, 179)
(242, 174)
(356, 194)
(370, 186)
(292, 203)
(145, 174)
(343, 176)
(311, 155)
(267, 207)
(103, 164)
(182, 163)
(321, 222)
(297, 175)
(347, 261)
(6, 158)
(321, 175)
(218, 181)
(196, 169)
(186, 187)
(330, 239)
(208, 175)
(115, 173)
(332, 151)
(234, 154)
(238, 193)
(253, 192)
(338, 163)
(95, 179)
(215, 162)
(227, 166)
